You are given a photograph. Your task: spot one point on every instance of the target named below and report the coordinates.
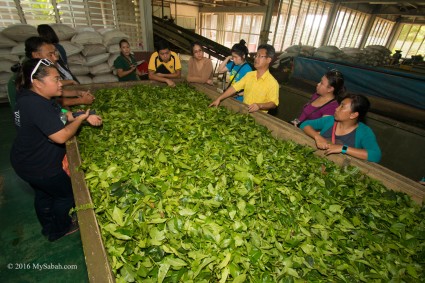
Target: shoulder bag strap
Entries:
(230, 83)
(233, 65)
(317, 109)
(333, 132)
(125, 58)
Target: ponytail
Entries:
(240, 49)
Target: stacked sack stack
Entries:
(303, 50)
(293, 51)
(94, 63)
(352, 55)
(376, 55)
(328, 52)
(12, 49)
(65, 34)
(111, 39)
(373, 55)
(93, 53)
(90, 53)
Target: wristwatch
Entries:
(344, 149)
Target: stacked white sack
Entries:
(7, 57)
(376, 55)
(328, 52)
(294, 51)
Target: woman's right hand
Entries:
(321, 142)
(87, 97)
(222, 68)
(215, 103)
(170, 83)
(296, 122)
(84, 116)
(94, 120)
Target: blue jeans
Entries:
(53, 200)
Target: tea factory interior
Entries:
(166, 219)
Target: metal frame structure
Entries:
(359, 34)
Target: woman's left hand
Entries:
(94, 120)
(253, 107)
(321, 142)
(333, 148)
(87, 97)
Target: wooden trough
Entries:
(96, 257)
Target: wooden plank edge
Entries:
(97, 261)
(94, 87)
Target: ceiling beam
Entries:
(240, 1)
(195, 3)
(416, 22)
(396, 11)
(382, 2)
(216, 3)
(205, 2)
(234, 9)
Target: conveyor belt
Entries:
(182, 38)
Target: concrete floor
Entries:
(25, 254)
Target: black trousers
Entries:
(53, 201)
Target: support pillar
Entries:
(146, 22)
(264, 35)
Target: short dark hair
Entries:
(161, 45)
(270, 51)
(360, 104)
(240, 49)
(193, 44)
(124, 41)
(33, 44)
(48, 33)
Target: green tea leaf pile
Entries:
(187, 193)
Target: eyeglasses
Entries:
(260, 56)
(45, 62)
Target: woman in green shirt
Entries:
(126, 64)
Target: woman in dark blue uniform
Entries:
(39, 148)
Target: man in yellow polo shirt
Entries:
(164, 65)
(261, 90)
